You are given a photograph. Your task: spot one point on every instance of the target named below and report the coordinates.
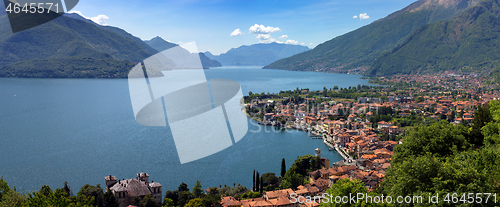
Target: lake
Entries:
(81, 130)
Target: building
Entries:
(127, 190)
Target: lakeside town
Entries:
(363, 124)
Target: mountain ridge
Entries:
(257, 54)
(355, 51)
(467, 42)
(160, 45)
(72, 41)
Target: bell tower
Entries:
(317, 153)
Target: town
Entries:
(364, 123)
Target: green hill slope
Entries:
(359, 48)
(72, 42)
(470, 41)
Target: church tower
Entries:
(317, 153)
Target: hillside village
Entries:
(364, 130)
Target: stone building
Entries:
(127, 190)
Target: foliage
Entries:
(441, 139)
(482, 116)
(167, 202)
(110, 200)
(95, 192)
(195, 203)
(69, 37)
(347, 187)
(269, 179)
(296, 174)
(71, 67)
(228, 191)
(292, 180)
(249, 194)
(438, 159)
(197, 191)
(283, 168)
(147, 201)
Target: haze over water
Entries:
(81, 130)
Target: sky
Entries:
(219, 25)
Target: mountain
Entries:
(358, 49)
(207, 62)
(257, 54)
(468, 42)
(159, 44)
(73, 42)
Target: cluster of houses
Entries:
(357, 137)
(369, 170)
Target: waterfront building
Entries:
(127, 190)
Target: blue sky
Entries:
(210, 23)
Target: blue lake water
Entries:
(81, 130)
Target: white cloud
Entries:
(236, 32)
(284, 36)
(265, 38)
(99, 19)
(280, 42)
(261, 29)
(311, 43)
(363, 16)
(302, 43)
(292, 42)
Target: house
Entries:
(384, 124)
(277, 193)
(229, 201)
(127, 190)
(393, 129)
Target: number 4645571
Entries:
(31, 8)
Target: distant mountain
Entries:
(468, 42)
(207, 62)
(159, 44)
(71, 41)
(358, 49)
(257, 54)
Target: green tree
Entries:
(167, 202)
(9, 197)
(147, 201)
(347, 187)
(257, 181)
(269, 179)
(482, 116)
(46, 191)
(197, 191)
(195, 202)
(253, 182)
(292, 180)
(283, 167)
(67, 189)
(110, 200)
(183, 187)
(261, 185)
(173, 195)
(90, 191)
(185, 197)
